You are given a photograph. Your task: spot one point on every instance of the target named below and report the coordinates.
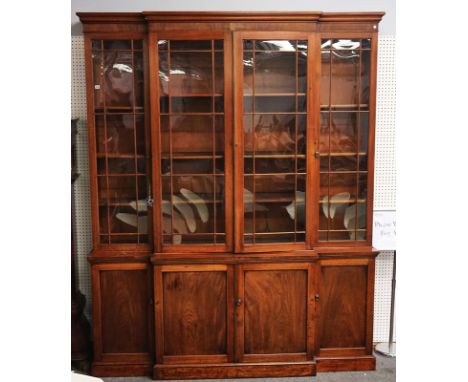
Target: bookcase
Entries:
(231, 162)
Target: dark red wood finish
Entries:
(233, 310)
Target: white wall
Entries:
(387, 26)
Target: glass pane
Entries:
(275, 72)
(191, 73)
(280, 45)
(343, 132)
(191, 45)
(118, 78)
(118, 44)
(325, 79)
(275, 126)
(192, 140)
(345, 78)
(120, 140)
(365, 78)
(346, 44)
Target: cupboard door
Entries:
(346, 290)
(121, 312)
(345, 139)
(193, 313)
(194, 122)
(119, 142)
(272, 138)
(274, 311)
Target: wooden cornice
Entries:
(149, 16)
(111, 17)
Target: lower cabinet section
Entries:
(344, 333)
(122, 319)
(239, 318)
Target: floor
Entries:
(385, 373)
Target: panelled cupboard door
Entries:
(192, 159)
(193, 308)
(275, 312)
(346, 290)
(274, 79)
(121, 312)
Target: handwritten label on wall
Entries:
(384, 231)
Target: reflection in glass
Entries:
(120, 140)
(191, 80)
(343, 143)
(275, 125)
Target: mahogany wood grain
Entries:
(346, 363)
(343, 303)
(272, 290)
(235, 370)
(194, 310)
(121, 313)
(278, 328)
(121, 369)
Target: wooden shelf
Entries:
(181, 95)
(194, 113)
(276, 113)
(120, 156)
(349, 106)
(274, 156)
(110, 174)
(182, 156)
(344, 154)
(342, 201)
(275, 174)
(274, 95)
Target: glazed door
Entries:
(118, 143)
(347, 114)
(275, 312)
(274, 139)
(191, 89)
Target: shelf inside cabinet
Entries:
(120, 156)
(344, 154)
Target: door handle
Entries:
(238, 302)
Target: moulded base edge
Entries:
(356, 363)
(235, 370)
(101, 369)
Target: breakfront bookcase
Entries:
(231, 169)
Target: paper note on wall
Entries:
(384, 230)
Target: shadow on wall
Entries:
(76, 29)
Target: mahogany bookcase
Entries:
(231, 162)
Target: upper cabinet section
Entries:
(231, 131)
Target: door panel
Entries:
(274, 312)
(194, 154)
(121, 311)
(193, 320)
(345, 289)
(273, 139)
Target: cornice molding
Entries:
(149, 17)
